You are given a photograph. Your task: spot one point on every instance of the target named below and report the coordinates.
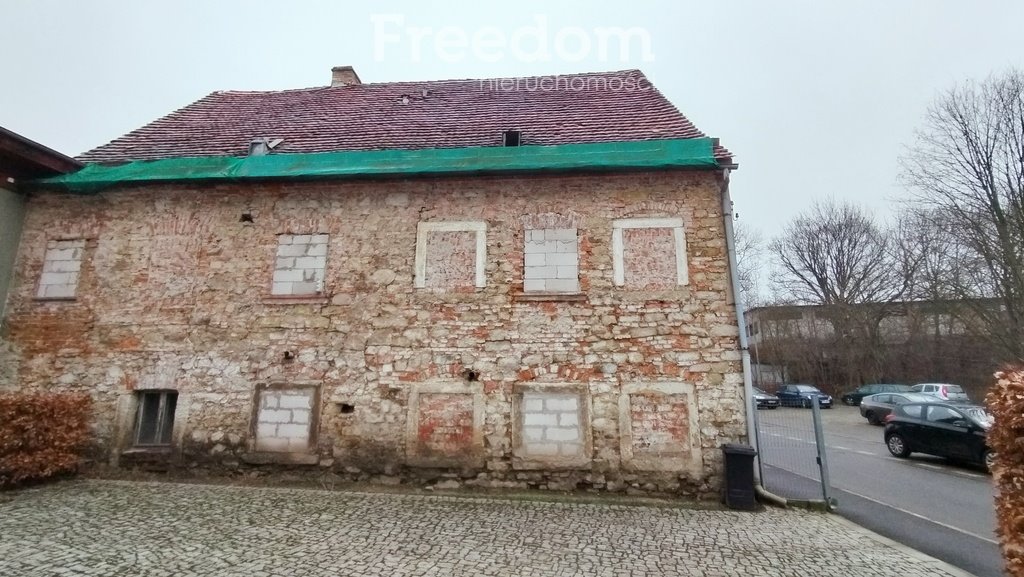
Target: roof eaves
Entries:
(691, 153)
(22, 157)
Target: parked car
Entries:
(802, 395)
(765, 400)
(853, 398)
(875, 408)
(957, 432)
(944, 391)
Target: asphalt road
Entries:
(944, 510)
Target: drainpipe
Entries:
(748, 386)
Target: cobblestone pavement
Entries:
(115, 528)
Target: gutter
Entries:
(748, 385)
(38, 160)
(765, 496)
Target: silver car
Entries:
(876, 407)
(944, 391)
(765, 400)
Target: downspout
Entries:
(748, 385)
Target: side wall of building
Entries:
(421, 357)
(12, 213)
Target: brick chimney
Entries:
(344, 76)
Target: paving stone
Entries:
(115, 529)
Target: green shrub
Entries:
(41, 435)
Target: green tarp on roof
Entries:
(646, 154)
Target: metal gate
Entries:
(792, 461)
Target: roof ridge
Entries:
(623, 72)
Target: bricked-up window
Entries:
(658, 427)
(300, 265)
(451, 255)
(154, 420)
(649, 253)
(445, 425)
(551, 260)
(61, 267)
(284, 419)
(551, 425)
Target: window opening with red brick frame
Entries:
(451, 255)
(649, 253)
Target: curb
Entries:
(909, 551)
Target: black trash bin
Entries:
(739, 476)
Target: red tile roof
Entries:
(570, 109)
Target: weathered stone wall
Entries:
(176, 292)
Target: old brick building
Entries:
(489, 282)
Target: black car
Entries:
(853, 398)
(957, 432)
(802, 395)
(765, 400)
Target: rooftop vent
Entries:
(263, 146)
(419, 96)
(259, 147)
(511, 138)
(344, 76)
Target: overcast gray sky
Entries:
(815, 98)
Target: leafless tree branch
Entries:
(966, 169)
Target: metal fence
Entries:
(791, 452)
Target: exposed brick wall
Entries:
(658, 421)
(175, 292)
(451, 259)
(445, 426)
(647, 257)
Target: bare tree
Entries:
(940, 262)
(836, 254)
(886, 307)
(749, 259)
(967, 168)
